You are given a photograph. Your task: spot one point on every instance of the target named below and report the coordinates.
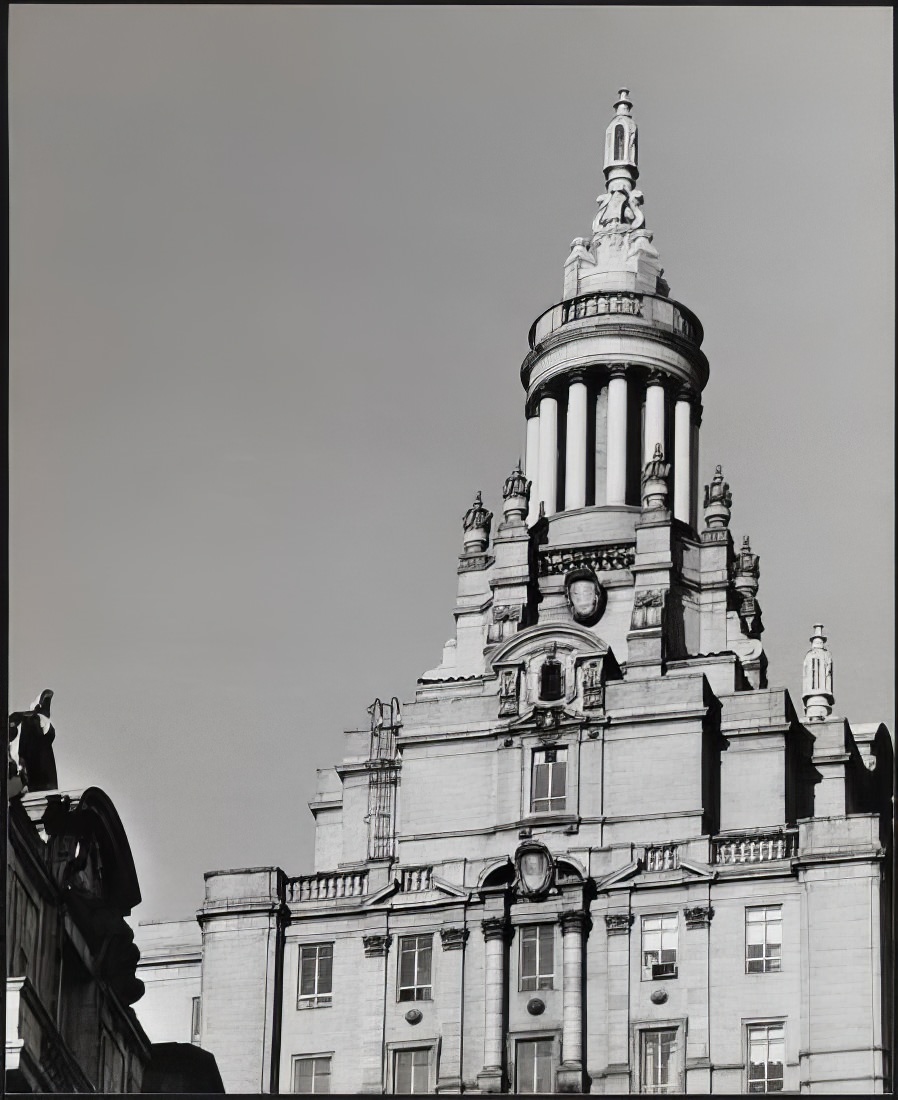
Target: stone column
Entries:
(616, 478)
(547, 479)
(376, 946)
(654, 417)
(497, 933)
(696, 954)
(696, 424)
(574, 927)
(682, 463)
(617, 994)
(575, 464)
(531, 467)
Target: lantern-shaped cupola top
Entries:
(621, 153)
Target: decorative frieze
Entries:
(376, 945)
(507, 612)
(618, 924)
(596, 305)
(471, 563)
(453, 939)
(597, 558)
(698, 916)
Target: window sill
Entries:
(314, 1002)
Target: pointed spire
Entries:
(817, 678)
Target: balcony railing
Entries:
(661, 311)
(662, 857)
(414, 879)
(328, 887)
(756, 847)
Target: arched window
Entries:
(551, 684)
(618, 143)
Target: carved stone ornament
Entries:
(516, 494)
(648, 606)
(414, 1016)
(585, 596)
(536, 1007)
(507, 612)
(36, 769)
(592, 679)
(658, 996)
(746, 574)
(547, 719)
(618, 924)
(554, 563)
(453, 939)
(376, 946)
(718, 502)
(497, 928)
(817, 678)
(698, 916)
(534, 870)
(597, 305)
(508, 692)
(654, 481)
(476, 522)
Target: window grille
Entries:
(533, 1066)
(537, 956)
(316, 963)
(659, 946)
(766, 1055)
(549, 781)
(312, 1074)
(763, 939)
(415, 968)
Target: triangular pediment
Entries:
(438, 892)
(687, 871)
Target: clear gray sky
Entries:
(272, 272)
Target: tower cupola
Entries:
(621, 151)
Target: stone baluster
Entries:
(531, 467)
(654, 416)
(575, 463)
(682, 464)
(547, 478)
(616, 477)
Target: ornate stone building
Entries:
(597, 851)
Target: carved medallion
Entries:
(585, 596)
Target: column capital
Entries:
(578, 922)
(698, 916)
(376, 946)
(689, 395)
(656, 378)
(453, 939)
(618, 923)
(576, 376)
(497, 928)
(617, 370)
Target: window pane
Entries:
(526, 1067)
(543, 1077)
(325, 969)
(402, 1072)
(559, 779)
(425, 954)
(540, 780)
(407, 963)
(307, 971)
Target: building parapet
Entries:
(662, 857)
(661, 312)
(415, 879)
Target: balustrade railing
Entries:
(669, 314)
(415, 879)
(756, 847)
(328, 887)
(662, 857)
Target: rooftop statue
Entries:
(37, 764)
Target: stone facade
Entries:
(596, 852)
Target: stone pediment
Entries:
(432, 891)
(537, 638)
(687, 871)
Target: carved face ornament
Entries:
(585, 595)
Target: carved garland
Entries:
(555, 562)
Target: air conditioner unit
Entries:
(664, 970)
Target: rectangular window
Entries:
(411, 1070)
(657, 1061)
(763, 939)
(549, 781)
(766, 1055)
(415, 960)
(538, 956)
(312, 1074)
(533, 1066)
(659, 947)
(195, 1020)
(316, 964)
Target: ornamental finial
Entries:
(516, 494)
(620, 205)
(718, 501)
(746, 574)
(817, 678)
(654, 481)
(476, 523)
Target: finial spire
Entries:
(516, 494)
(476, 523)
(718, 501)
(817, 678)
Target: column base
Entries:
(570, 1078)
(491, 1079)
(449, 1084)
